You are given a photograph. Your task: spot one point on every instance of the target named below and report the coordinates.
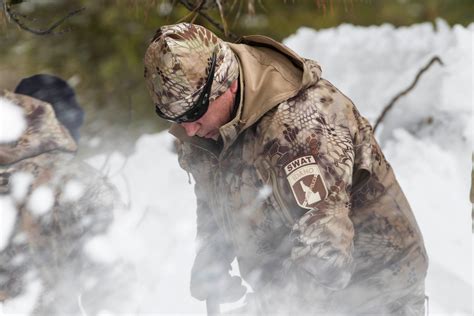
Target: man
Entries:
(289, 180)
(59, 203)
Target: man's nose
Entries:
(191, 128)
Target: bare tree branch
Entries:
(13, 16)
(221, 12)
(404, 92)
(190, 7)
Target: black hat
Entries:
(60, 95)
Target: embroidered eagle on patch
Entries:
(306, 181)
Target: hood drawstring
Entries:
(189, 177)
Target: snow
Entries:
(156, 235)
(24, 304)
(20, 183)
(41, 200)
(100, 251)
(73, 191)
(12, 121)
(265, 192)
(427, 138)
(7, 220)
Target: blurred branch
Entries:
(388, 107)
(221, 12)
(199, 10)
(128, 205)
(142, 217)
(17, 19)
(81, 306)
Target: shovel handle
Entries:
(212, 306)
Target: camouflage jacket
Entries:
(46, 243)
(300, 193)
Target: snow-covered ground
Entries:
(427, 138)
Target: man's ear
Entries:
(234, 86)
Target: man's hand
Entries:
(214, 281)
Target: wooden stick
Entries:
(212, 306)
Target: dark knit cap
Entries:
(60, 95)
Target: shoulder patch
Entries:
(306, 182)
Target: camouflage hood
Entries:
(263, 63)
(269, 64)
(43, 134)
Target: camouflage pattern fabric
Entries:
(177, 62)
(46, 247)
(300, 193)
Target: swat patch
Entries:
(306, 181)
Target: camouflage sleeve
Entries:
(96, 207)
(213, 251)
(49, 245)
(213, 259)
(309, 144)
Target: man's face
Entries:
(217, 115)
